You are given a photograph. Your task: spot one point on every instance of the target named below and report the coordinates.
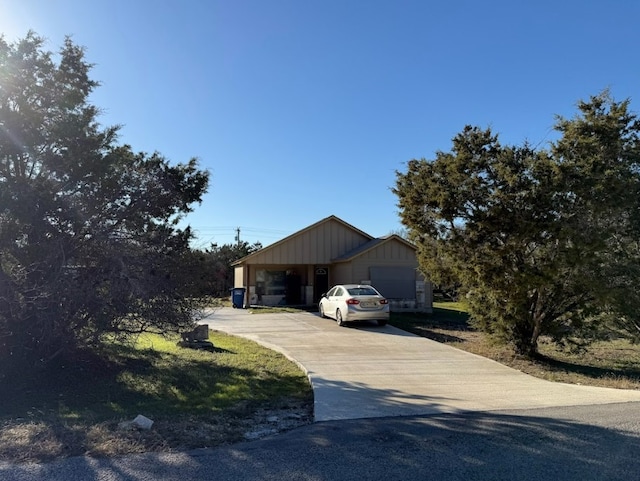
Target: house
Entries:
(298, 269)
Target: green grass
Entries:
(154, 377)
(157, 377)
(445, 307)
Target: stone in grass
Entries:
(139, 422)
(197, 338)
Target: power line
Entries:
(244, 228)
(207, 235)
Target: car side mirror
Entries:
(324, 294)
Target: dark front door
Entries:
(292, 289)
(320, 283)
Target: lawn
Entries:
(614, 363)
(196, 399)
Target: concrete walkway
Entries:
(370, 371)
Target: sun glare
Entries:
(15, 20)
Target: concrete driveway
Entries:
(369, 371)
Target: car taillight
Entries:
(384, 301)
(353, 301)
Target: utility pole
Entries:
(238, 236)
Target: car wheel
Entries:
(339, 319)
(321, 309)
(382, 322)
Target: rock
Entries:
(197, 338)
(142, 422)
(200, 333)
(139, 422)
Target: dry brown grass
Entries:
(47, 440)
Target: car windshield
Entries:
(362, 291)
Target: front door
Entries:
(292, 286)
(320, 283)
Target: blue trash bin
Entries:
(237, 297)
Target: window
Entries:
(270, 283)
(362, 291)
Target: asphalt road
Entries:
(569, 443)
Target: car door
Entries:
(328, 304)
(336, 299)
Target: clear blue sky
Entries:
(301, 109)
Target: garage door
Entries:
(394, 282)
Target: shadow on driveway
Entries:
(340, 399)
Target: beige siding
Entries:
(340, 274)
(315, 246)
(238, 277)
(360, 270)
(392, 252)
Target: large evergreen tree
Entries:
(89, 237)
(544, 242)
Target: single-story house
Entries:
(298, 269)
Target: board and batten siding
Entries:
(315, 246)
(388, 254)
(342, 273)
(392, 251)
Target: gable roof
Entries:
(331, 218)
(372, 244)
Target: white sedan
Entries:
(354, 302)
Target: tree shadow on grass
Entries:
(595, 372)
(56, 413)
(440, 318)
(426, 327)
(128, 380)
